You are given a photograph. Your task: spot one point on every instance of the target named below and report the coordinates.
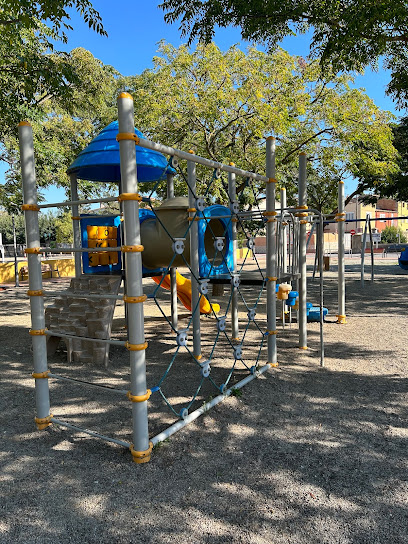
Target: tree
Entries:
(60, 133)
(347, 35)
(31, 70)
(223, 104)
(393, 235)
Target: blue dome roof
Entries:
(99, 161)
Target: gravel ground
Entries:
(306, 454)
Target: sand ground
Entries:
(305, 455)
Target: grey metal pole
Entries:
(284, 233)
(75, 223)
(173, 270)
(16, 278)
(302, 253)
(194, 262)
(321, 250)
(341, 317)
(39, 339)
(232, 193)
(371, 250)
(141, 449)
(363, 247)
(271, 250)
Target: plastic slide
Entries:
(184, 293)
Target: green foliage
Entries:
(31, 70)
(47, 224)
(393, 235)
(63, 228)
(347, 35)
(223, 104)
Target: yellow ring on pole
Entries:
(272, 278)
(273, 365)
(75, 218)
(339, 220)
(191, 152)
(38, 293)
(136, 347)
(273, 333)
(303, 222)
(40, 375)
(127, 136)
(141, 456)
(198, 357)
(33, 250)
(139, 398)
(191, 210)
(43, 422)
(340, 214)
(37, 332)
(232, 163)
(302, 347)
(271, 221)
(134, 300)
(271, 180)
(341, 319)
(196, 218)
(234, 220)
(30, 207)
(302, 214)
(132, 249)
(267, 214)
(24, 124)
(129, 196)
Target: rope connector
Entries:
(127, 136)
(141, 456)
(43, 422)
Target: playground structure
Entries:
(191, 233)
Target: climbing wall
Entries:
(75, 313)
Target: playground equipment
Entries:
(403, 259)
(234, 333)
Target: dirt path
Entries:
(306, 455)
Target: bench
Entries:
(45, 268)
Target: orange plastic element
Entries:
(184, 293)
(43, 422)
(283, 291)
(139, 398)
(141, 456)
(30, 207)
(92, 232)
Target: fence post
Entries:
(271, 250)
(302, 253)
(340, 218)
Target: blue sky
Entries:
(137, 26)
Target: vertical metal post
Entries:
(341, 317)
(271, 250)
(16, 278)
(363, 248)
(371, 247)
(134, 285)
(302, 253)
(232, 193)
(194, 262)
(284, 234)
(30, 207)
(173, 270)
(75, 224)
(320, 251)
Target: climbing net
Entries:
(220, 338)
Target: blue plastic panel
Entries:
(103, 221)
(227, 266)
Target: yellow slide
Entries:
(184, 293)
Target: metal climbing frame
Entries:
(237, 335)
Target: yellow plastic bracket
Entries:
(303, 222)
(133, 300)
(141, 456)
(339, 219)
(302, 207)
(40, 375)
(129, 196)
(132, 249)
(38, 293)
(271, 180)
(127, 136)
(198, 357)
(340, 214)
(75, 218)
(234, 220)
(341, 319)
(191, 210)
(31, 250)
(302, 347)
(135, 347)
(37, 332)
(301, 214)
(139, 398)
(273, 365)
(271, 221)
(273, 333)
(30, 207)
(267, 214)
(271, 278)
(196, 218)
(43, 422)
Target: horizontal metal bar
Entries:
(70, 203)
(99, 386)
(82, 295)
(205, 407)
(74, 337)
(382, 219)
(81, 250)
(199, 160)
(91, 433)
